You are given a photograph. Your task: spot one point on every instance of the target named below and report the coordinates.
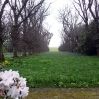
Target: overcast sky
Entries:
(52, 20)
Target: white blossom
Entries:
(13, 92)
(13, 84)
(24, 92)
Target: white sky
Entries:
(52, 20)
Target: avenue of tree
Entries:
(22, 29)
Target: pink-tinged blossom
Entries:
(13, 84)
(12, 74)
(22, 82)
(7, 81)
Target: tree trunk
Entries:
(24, 52)
(1, 53)
(15, 51)
(1, 43)
(29, 52)
(24, 39)
(15, 38)
(24, 49)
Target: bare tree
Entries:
(35, 33)
(2, 7)
(82, 9)
(17, 8)
(70, 32)
(32, 26)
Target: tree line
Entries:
(80, 31)
(21, 27)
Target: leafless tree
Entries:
(2, 7)
(70, 34)
(82, 8)
(17, 11)
(33, 34)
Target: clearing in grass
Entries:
(53, 49)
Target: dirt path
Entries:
(64, 93)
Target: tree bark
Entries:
(29, 52)
(1, 29)
(24, 38)
(15, 37)
(1, 53)
(15, 51)
(1, 43)
(24, 51)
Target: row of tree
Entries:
(21, 26)
(80, 29)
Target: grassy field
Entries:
(57, 69)
(53, 49)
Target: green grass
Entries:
(57, 69)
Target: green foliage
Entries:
(4, 50)
(89, 40)
(87, 45)
(57, 69)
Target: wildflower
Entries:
(5, 63)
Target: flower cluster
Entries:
(12, 85)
